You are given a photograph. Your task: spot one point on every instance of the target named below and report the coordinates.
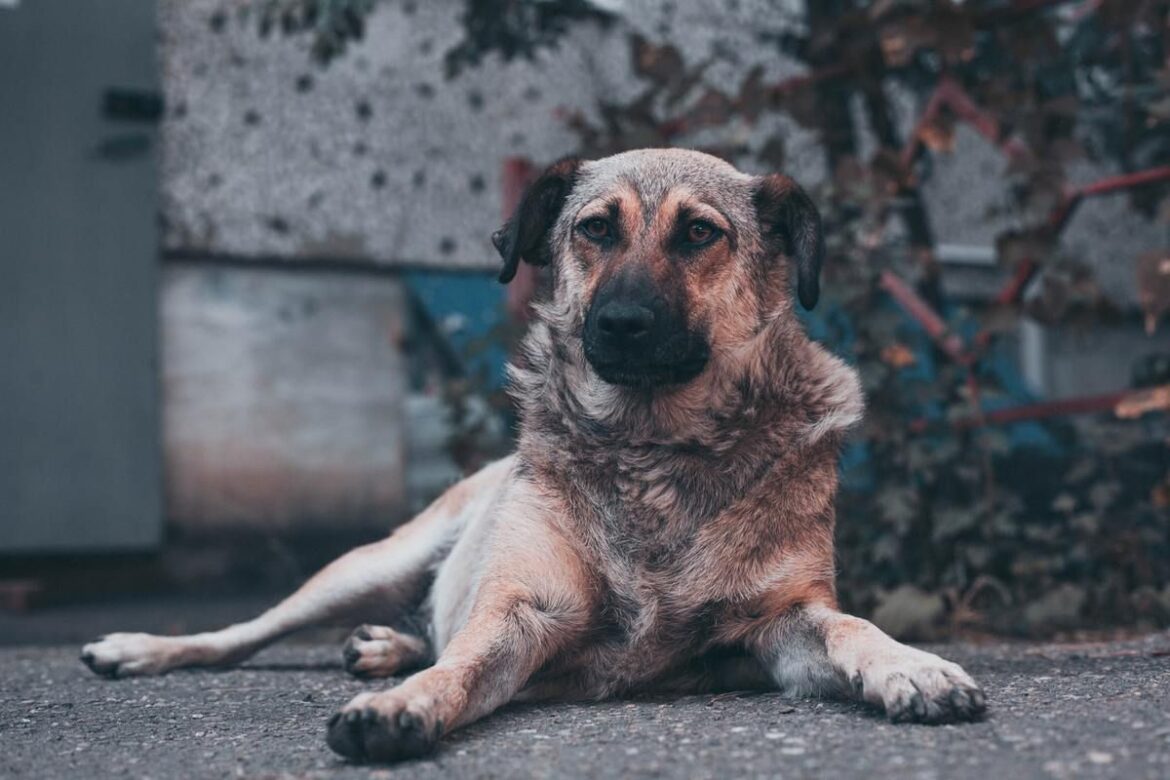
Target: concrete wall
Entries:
(378, 157)
(283, 397)
(969, 204)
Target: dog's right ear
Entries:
(789, 217)
(525, 235)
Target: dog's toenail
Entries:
(408, 721)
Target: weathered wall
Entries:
(378, 157)
(283, 399)
(970, 204)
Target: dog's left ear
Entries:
(788, 217)
(525, 235)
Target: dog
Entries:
(666, 523)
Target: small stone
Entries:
(909, 612)
(1100, 757)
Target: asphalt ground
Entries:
(1057, 710)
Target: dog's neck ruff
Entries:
(780, 386)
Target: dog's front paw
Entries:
(918, 687)
(128, 655)
(383, 727)
(378, 651)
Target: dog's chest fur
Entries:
(647, 502)
(698, 519)
(682, 538)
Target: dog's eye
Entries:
(700, 232)
(596, 228)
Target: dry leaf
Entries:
(898, 355)
(1153, 281)
(1139, 402)
(938, 135)
(1160, 494)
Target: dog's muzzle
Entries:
(634, 338)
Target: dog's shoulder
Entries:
(832, 392)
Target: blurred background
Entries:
(249, 316)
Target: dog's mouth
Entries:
(647, 376)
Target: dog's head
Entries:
(663, 257)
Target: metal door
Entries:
(79, 430)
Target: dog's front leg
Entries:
(509, 635)
(530, 603)
(818, 650)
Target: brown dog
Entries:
(667, 520)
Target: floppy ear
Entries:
(524, 236)
(789, 218)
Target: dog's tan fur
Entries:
(670, 537)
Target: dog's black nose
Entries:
(624, 322)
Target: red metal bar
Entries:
(1091, 404)
(933, 105)
(950, 94)
(954, 97)
(1063, 212)
(934, 325)
(1107, 186)
(1125, 181)
(1011, 292)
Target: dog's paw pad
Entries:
(389, 732)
